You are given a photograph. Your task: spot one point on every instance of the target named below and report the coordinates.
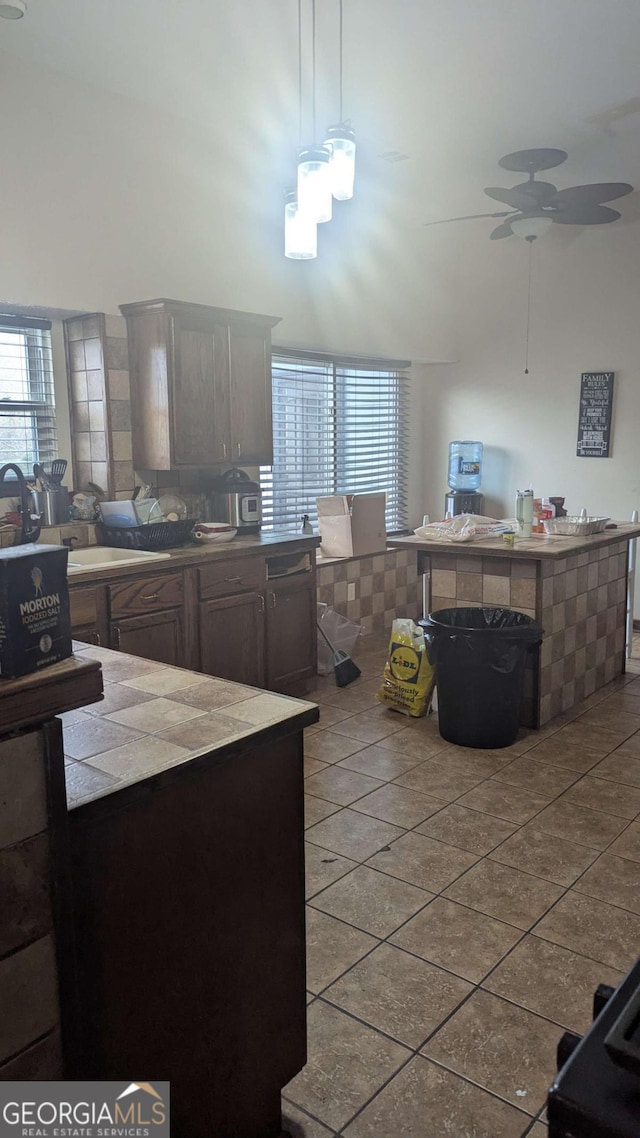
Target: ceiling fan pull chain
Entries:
(530, 241)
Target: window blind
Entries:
(27, 403)
(339, 427)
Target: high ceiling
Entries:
(437, 90)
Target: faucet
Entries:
(30, 530)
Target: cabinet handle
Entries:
(98, 640)
(261, 604)
(272, 600)
(149, 596)
(116, 636)
(224, 450)
(239, 449)
(233, 580)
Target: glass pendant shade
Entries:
(342, 164)
(314, 186)
(531, 226)
(300, 232)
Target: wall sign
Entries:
(594, 418)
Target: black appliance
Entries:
(596, 1093)
(463, 502)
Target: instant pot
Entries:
(236, 500)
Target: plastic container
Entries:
(480, 656)
(465, 464)
(342, 633)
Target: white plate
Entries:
(219, 538)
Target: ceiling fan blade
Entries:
(580, 197)
(594, 215)
(517, 198)
(503, 230)
(543, 192)
(469, 217)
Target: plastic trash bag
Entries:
(464, 527)
(409, 679)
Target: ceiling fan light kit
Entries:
(324, 172)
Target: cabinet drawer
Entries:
(83, 605)
(223, 578)
(147, 594)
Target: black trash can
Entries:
(479, 656)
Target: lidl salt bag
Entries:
(409, 678)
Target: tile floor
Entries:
(462, 907)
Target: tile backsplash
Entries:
(385, 586)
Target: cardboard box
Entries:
(35, 624)
(352, 525)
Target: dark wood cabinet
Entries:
(158, 636)
(88, 609)
(232, 638)
(291, 632)
(200, 385)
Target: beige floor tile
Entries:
(422, 861)
(544, 855)
(332, 947)
(346, 699)
(339, 785)
(594, 929)
(425, 1101)
(625, 700)
(396, 804)
(299, 1125)
(512, 803)
(372, 901)
(613, 879)
(366, 727)
(616, 722)
(586, 827)
(316, 809)
(457, 938)
(474, 760)
(398, 993)
(539, 1131)
(138, 758)
(330, 748)
(631, 746)
(379, 762)
(82, 741)
(628, 844)
(438, 780)
(619, 767)
(504, 893)
(330, 715)
(467, 829)
(557, 752)
(551, 981)
(322, 868)
(610, 797)
(532, 775)
(312, 766)
(415, 744)
(354, 835)
(587, 737)
(347, 1063)
(501, 1047)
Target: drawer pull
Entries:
(116, 636)
(233, 580)
(239, 449)
(150, 597)
(97, 639)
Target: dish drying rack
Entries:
(156, 535)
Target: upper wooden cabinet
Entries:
(200, 385)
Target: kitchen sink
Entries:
(104, 557)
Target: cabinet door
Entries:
(232, 638)
(291, 633)
(250, 380)
(159, 636)
(200, 394)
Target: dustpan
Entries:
(344, 668)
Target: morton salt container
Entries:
(35, 625)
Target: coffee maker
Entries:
(236, 500)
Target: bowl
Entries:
(206, 532)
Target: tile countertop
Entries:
(155, 717)
(536, 548)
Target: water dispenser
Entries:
(465, 475)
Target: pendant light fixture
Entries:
(342, 141)
(314, 186)
(300, 231)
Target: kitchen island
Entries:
(574, 587)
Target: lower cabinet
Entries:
(232, 638)
(158, 636)
(291, 632)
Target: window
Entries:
(27, 405)
(339, 426)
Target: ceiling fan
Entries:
(535, 204)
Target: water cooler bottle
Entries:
(465, 474)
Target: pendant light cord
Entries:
(313, 68)
(340, 119)
(530, 241)
(299, 73)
